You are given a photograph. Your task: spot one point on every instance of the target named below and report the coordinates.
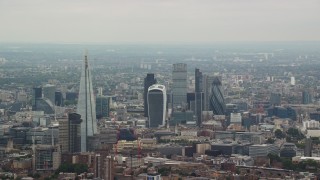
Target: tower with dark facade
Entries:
(86, 106)
(58, 98)
(198, 96)
(70, 133)
(148, 81)
(306, 97)
(36, 94)
(102, 106)
(157, 105)
(217, 103)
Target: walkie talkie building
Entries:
(157, 105)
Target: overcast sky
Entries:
(118, 21)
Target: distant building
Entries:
(71, 96)
(58, 99)
(157, 105)
(41, 104)
(288, 150)
(306, 97)
(262, 150)
(282, 112)
(315, 115)
(198, 96)
(236, 118)
(47, 157)
(275, 99)
(182, 117)
(69, 133)
(308, 147)
(103, 166)
(102, 106)
(231, 108)
(48, 91)
(148, 81)
(127, 134)
(217, 103)
(292, 81)
(36, 94)
(179, 85)
(207, 87)
(64, 134)
(86, 106)
(74, 132)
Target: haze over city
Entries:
(159, 89)
(162, 21)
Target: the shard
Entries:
(86, 106)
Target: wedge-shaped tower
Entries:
(86, 106)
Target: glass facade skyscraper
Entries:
(198, 96)
(86, 106)
(157, 105)
(102, 106)
(148, 81)
(217, 103)
(179, 85)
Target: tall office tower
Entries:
(36, 94)
(86, 106)
(275, 99)
(217, 104)
(48, 91)
(74, 132)
(64, 134)
(148, 81)
(102, 106)
(207, 86)
(157, 105)
(306, 97)
(179, 85)
(58, 98)
(69, 133)
(198, 96)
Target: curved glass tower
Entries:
(217, 104)
(86, 106)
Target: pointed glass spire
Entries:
(86, 106)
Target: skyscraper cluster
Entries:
(208, 96)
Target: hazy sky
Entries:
(118, 21)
